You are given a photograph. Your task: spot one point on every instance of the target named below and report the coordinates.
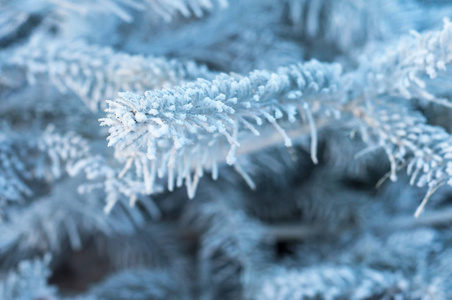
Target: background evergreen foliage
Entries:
(225, 149)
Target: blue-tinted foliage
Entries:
(225, 149)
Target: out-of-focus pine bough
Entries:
(297, 110)
(95, 74)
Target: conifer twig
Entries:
(301, 231)
(294, 231)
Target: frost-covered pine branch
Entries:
(29, 281)
(171, 132)
(32, 158)
(141, 126)
(12, 172)
(406, 68)
(29, 162)
(58, 221)
(96, 74)
(331, 282)
(389, 264)
(409, 142)
(101, 176)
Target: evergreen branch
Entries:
(298, 231)
(101, 176)
(241, 46)
(349, 24)
(402, 69)
(95, 74)
(293, 232)
(407, 140)
(13, 171)
(169, 130)
(50, 156)
(29, 281)
(39, 157)
(61, 220)
(254, 144)
(227, 257)
(330, 282)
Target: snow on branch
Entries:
(330, 282)
(44, 156)
(95, 74)
(64, 219)
(13, 171)
(404, 69)
(409, 142)
(50, 155)
(29, 281)
(170, 132)
(78, 158)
